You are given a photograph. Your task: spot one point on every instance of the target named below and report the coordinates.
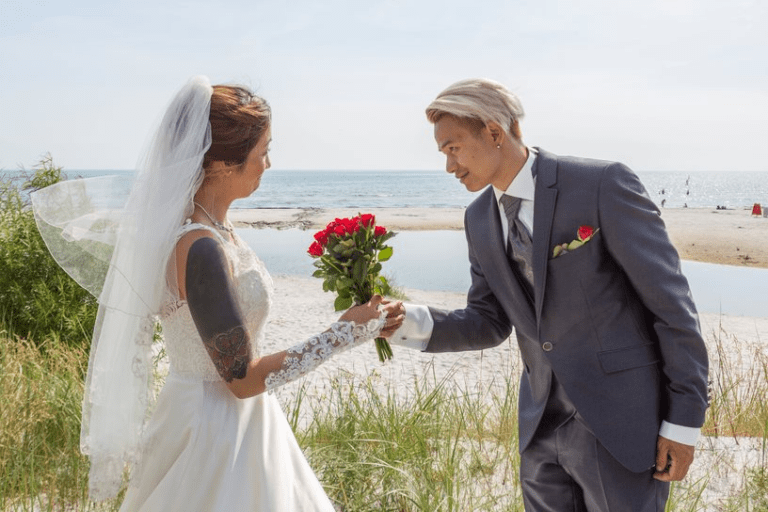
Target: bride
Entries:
(214, 439)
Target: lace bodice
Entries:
(185, 349)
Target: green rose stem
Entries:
(364, 294)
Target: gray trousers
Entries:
(566, 469)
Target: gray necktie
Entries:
(520, 245)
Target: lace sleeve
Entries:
(305, 357)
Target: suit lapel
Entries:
(544, 202)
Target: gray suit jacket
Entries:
(624, 333)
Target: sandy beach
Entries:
(300, 308)
(728, 237)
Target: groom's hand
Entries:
(672, 459)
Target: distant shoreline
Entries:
(709, 235)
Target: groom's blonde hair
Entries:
(478, 101)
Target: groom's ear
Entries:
(495, 131)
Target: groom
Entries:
(614, 387)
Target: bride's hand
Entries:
(364, 312)
(395, 316)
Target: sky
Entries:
(656, 84)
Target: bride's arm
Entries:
(213, 303)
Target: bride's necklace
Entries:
(216, 224)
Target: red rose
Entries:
(322, 237)
(341, 227)
(379, 231)
(315, 249)
(352, 225)
(585, 233)
(367, 219)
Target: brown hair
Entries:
(238, 120)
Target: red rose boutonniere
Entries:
(583, 235)
(348, 255)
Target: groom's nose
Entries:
(450, 165)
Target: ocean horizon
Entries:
(429, 189)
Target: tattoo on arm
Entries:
(214, 307)
(230, 352)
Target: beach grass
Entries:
(444, 446)
(738, 388)
(41, 466)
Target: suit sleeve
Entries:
(635, 236)
(482, 324)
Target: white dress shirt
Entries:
(418, 324)
(524, 187)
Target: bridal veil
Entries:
(116, 239)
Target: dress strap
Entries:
(192, 226)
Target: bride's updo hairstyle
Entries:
(238, 120)
(477, 101)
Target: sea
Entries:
(437, 260)
(403, 189)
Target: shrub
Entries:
(38, 300)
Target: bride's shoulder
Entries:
(189, 236)
(190, 232)
(182, 249)
(194, 231)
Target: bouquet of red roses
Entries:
(348, 255)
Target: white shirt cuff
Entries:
(679, 433)
(416, 329)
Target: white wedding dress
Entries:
(207, 450)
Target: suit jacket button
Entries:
(547, 346)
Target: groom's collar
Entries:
(523, 186)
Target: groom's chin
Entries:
(473, 187)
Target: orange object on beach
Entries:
(757, 209)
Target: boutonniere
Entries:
(583, 235)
